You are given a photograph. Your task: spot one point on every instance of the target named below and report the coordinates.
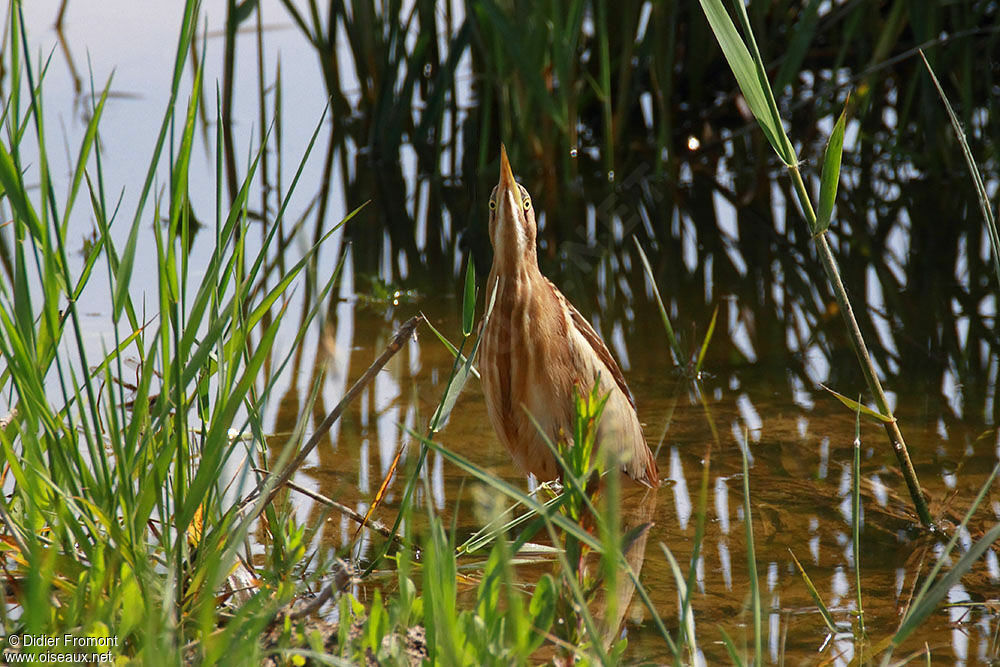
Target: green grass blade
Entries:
(674, 345)
(469, 304)
(462, 373)
(10, 180)
(89, 138)
(178, 195)
(731, 648)
(123, 273)
(928, 603)
(455, 352)
(745, 70)
(542, 608)
(784, 150)
(823, 610)
(183, 44)
(511, 492)
(830, 178)
(856, 516)
(758, 628)
(704, 343)
(856, 406)
(687, 628)
(977, 179)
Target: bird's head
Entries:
(512, 220)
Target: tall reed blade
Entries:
(856, 520)
(977, 179)
(748, 67)
(758, 624)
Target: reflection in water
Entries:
(798, 506)
(638, 508)
(840, 586)
(774, 634)
(958, 615)
(992, 565)
(725, 565)
(879, 491)
(722, 504)
(715, 219)
(682, 500)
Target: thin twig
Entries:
(280, 480)
(313, 605)
(357, 517)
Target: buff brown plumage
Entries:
(537, 350)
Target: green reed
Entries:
(856, 521)
(542, 76)
(745, 60)
(977, 178)
(545, 71)
(117, 508)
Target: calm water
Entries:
(801, 444)
(775, 342)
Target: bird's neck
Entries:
(514, 247)
(515, 266)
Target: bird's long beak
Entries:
(509, 228)
(507, 182)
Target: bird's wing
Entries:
(588, 333)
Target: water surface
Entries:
(716, 219)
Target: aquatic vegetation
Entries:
(116, 516)
(151, 494)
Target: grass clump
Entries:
(116, 513)
(504, 625)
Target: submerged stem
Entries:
(861, 349)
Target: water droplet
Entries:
(693, 143)
(611, 176)
(572, 152)
(427, 70)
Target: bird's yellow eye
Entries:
(526, 203)
(493, 205)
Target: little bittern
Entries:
(537, 349)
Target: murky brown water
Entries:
(799, 479)
(774, 343)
